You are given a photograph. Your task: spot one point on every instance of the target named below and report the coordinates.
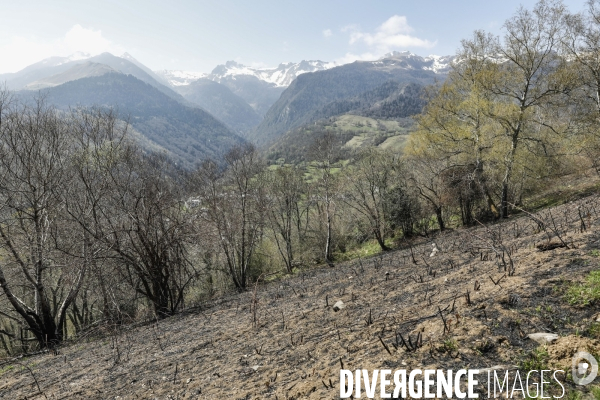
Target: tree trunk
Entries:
(380, 240)
(507, 174)
(328, 240)
(440, 220)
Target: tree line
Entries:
(515, 112)
(96, 231)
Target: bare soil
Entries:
(285, 341)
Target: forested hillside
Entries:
(379, 117)
(258, 94)
(187, 134)
(352, 133)
(218, 100)
(339, 90)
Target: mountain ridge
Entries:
(78, 71)
(258, 87)
(221, 102)
(53, 66)
(188, 134)
(305, 100)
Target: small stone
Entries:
(543, 337)
(338, 306)
(434, 251)
(255, 367)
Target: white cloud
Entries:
(19, 52)
(327, 32)
(87, 40)
(395, 24)
(393, 34)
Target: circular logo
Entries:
(585, 368)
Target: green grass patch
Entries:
(6, 369)
(537, 359)
(367, 249)
(586, 293)
(578, 395)
(594, 330)
(394, 143)
(449, 345)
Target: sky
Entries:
(197, 35)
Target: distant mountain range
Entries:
(163, 120)
(280, 76)
(193, 115)
(258, 87)
(340, 90)
(50, 67)
(176, 78)
(437, 64)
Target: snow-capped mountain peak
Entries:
(179, 77)
(395, 53)
(280, 76)
(437, 64)
(283, 75)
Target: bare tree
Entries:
(101, 141)
(133, 210)
(145, 224)
(426, 178)
(286, 214)
(233, 208)
(35, 146)
(324, 150)
(368, 185)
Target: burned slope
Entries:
(470, 305)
